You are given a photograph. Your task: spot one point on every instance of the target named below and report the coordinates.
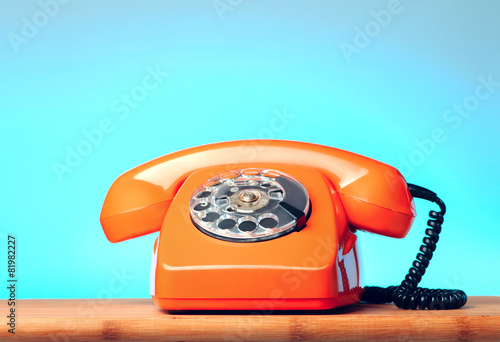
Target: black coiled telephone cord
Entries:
(408, 295)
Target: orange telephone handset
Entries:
(257, 221)
(374, 195)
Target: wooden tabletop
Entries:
(140, 320)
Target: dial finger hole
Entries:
(212, 182)
(210, 217)
(250, 172)
(230, 175)
(201, 206)
(271, 173)
(247, 226)
(226, 224)
(204, 194)
(268, 220)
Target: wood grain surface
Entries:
(140, 320)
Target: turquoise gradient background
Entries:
(228, 76)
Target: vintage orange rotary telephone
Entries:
(271, 223)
